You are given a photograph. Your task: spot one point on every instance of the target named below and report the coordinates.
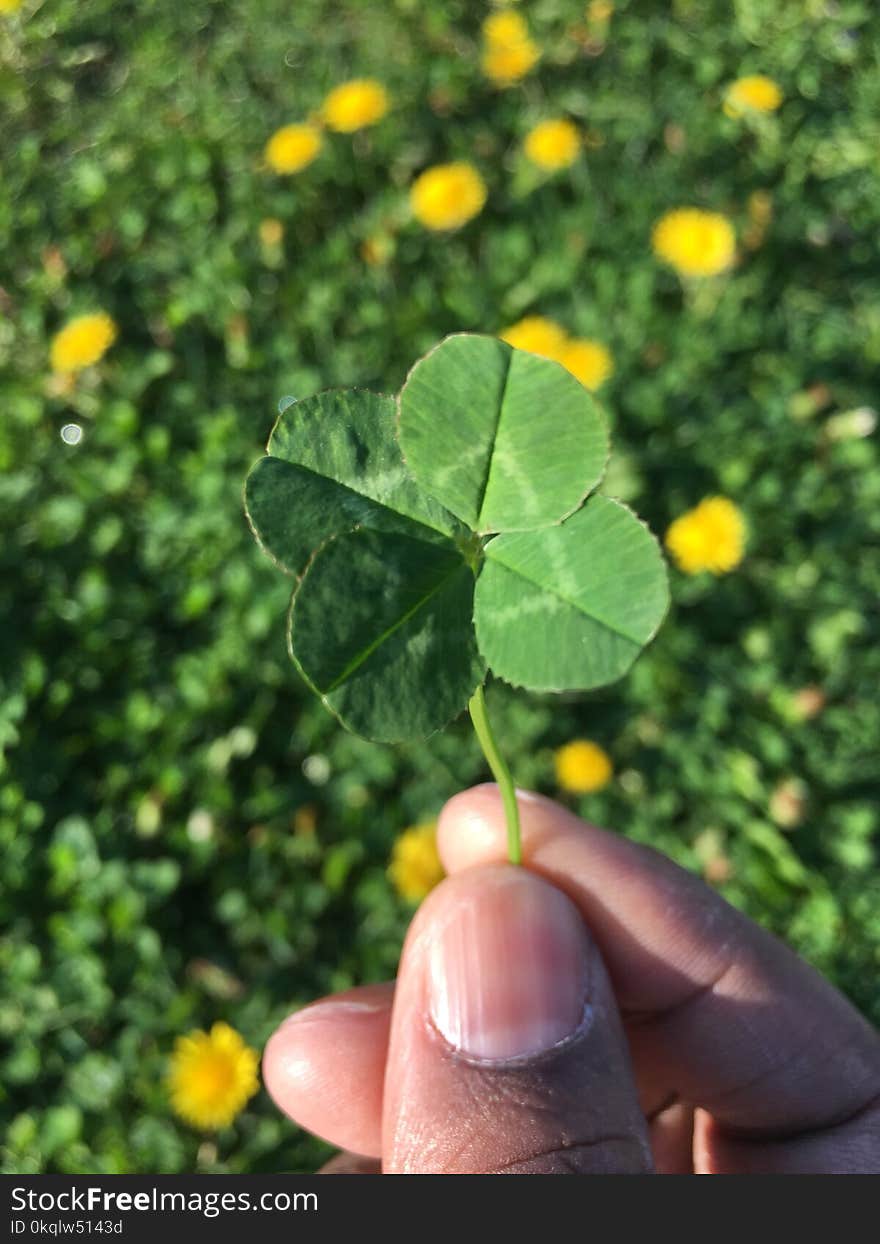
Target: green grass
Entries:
(156, 744)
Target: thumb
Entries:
(507, 1053)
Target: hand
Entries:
(599, 1010)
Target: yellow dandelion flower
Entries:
(588, 361)
(81, 342)
(271, 231)
(355, 105)
(415, 866)
(582, 767)
(212, 1076)
(538, 335)
(694, 242)
(502, 29)
(508, 52)
(709, 537)
(292, 148)
(755, 93)
(10, 6)
(553, 145)
(506, 65)
(447, 196)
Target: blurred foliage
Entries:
(185, 834)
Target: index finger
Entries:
(719, 1013)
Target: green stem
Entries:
(500, 772)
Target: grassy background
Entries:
(185, 835)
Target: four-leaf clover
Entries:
(450, 531)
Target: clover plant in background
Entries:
(449, 533)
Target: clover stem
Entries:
(500, 771)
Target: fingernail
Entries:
(333, 1008)
(529, 796)
(320, 1012)
(508, 970)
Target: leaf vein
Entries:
(362, 496)
(364, 655)
(484, 488)
(608, 626)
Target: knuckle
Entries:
(605, 1155)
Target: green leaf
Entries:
(571, 607)
(381, 627)
(334, 463)
(506, 440)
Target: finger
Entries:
(304, 1080)
(719, 1013)
(507, 1053)
(324, 1067)
(351, 1164)
(672, 1140)
(850, 1148)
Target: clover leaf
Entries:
(447, 533)
(506, 440)
(570, 608)
(381, 627)
(332, 464)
